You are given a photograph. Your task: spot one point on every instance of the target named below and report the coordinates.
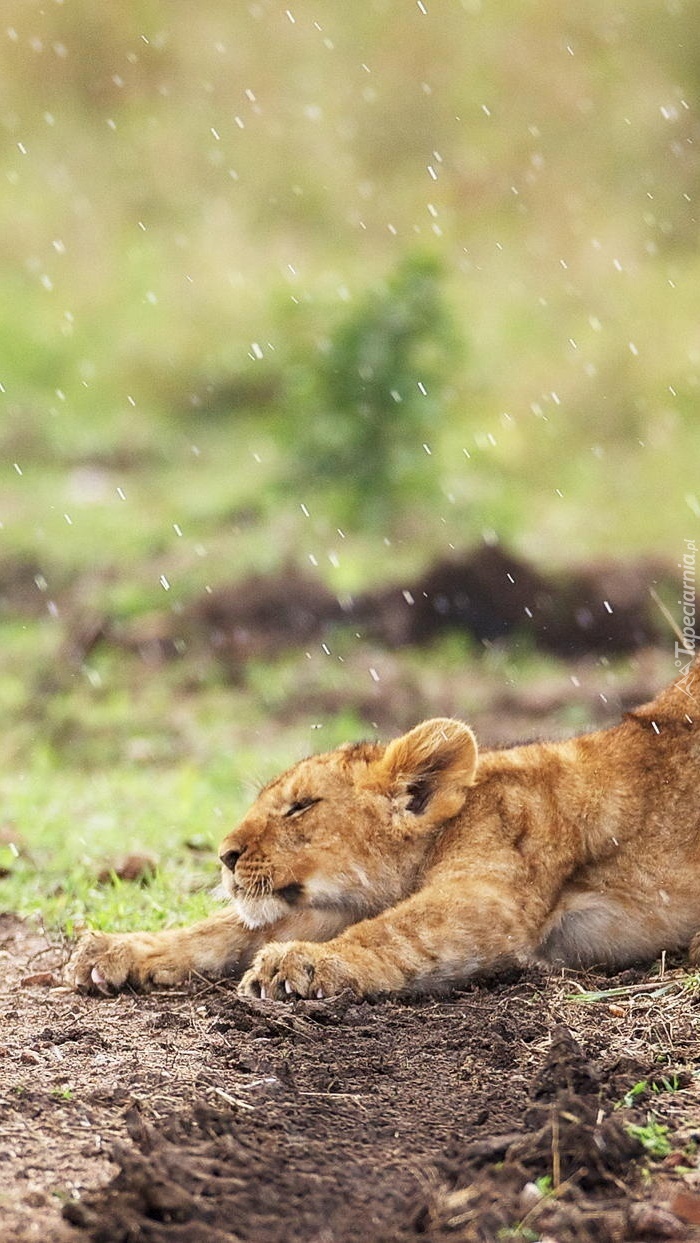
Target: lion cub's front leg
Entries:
(219, 946)
(213, 947)
(434, 938)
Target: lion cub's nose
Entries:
(230, 858)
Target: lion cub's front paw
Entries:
(298, 969)
(104, 962)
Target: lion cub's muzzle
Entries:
(258, 909)
(258, 901)
(257, 887)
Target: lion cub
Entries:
(421, 863)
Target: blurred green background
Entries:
(349, 287)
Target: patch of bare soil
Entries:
(488, 594)
(499, 1112)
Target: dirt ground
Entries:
(193, 1115)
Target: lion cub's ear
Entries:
(429, 770)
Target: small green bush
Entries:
(376, 389)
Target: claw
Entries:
(99, 980)
(320, 994)
(287, 987)
(263, 992)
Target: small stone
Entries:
(30, 1057)
(40, 979)
(686, 1206)
(139, 867)
(36, 1199)
(652, 1219)
(529, 1197)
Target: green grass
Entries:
(663, 1084)
(63, 826)
(653, 1136)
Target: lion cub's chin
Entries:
(259, 912)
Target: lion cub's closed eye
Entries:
(300, 805)
(424, 863)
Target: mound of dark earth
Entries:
(492, 594)
(488, 594)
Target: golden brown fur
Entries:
(420, 863)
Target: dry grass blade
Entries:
(652, 989)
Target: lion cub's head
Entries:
(347, 831)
